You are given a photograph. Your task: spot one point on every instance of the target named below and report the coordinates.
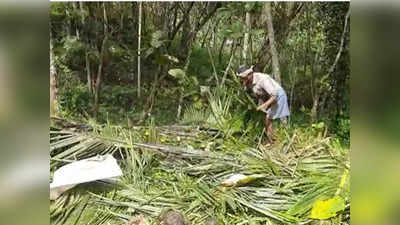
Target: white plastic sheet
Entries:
(87, 170)
(240, 179)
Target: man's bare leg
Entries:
(268, 129)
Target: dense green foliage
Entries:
(189, 54)
(178, 35)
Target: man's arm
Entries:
(267, 104)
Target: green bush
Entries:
(342, 128)
(75, 101)
(200, 63)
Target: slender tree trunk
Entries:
(292, 88)
(87, 60)
(178, 114)
(314, 109)
(322, 105)
(75, 4)
(251, 49)
(101, 64)
(271, 37)
(122, 15)
(315, 92)
(139, 39)
(339, 53)
(53, 73)
(246, 37)
(88, 73)
(69, 24)
(185, 38)
(99, 79)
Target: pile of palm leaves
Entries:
(182, 167)
(301, 180)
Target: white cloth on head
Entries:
(246, 72)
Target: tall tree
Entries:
(100, 69)
(86, 39)
(283, 19)
(53, 74)
(246, 37)
(271, 36)
(139, 39)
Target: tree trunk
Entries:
(87, 60)
(246, 37)
(69, 24)
(271, 37)
(283, 25)
(178, 115)
(185, 39)
(292, 88)
(139, 39)
(251, 49)
(53, 73)
(314, 110)
(75, 4)
(99, 78)
(88, 73)
(101, 64)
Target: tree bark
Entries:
(339, 53)
(75, 4)
(101, 64)
(69, 23)
(178, 114)
(246, 37)
(99, 78)
(271, 37)
(282, 27)
(87, 60)
(314, 109)
(139, 39)
(88, 73)
(53, 73)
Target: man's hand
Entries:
(267, 104)
(261, 107)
